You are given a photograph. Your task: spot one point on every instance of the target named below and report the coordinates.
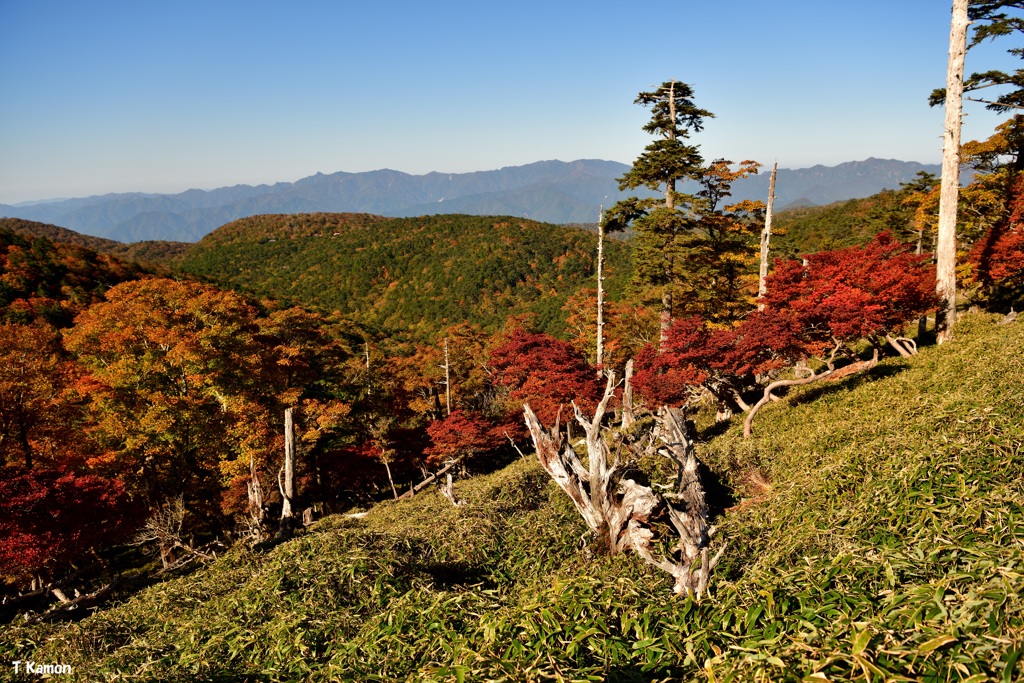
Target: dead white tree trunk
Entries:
(627, 397)
(256, 510)
(600, 291)
(286, 477)
(622, 513)
(945, 248)
(447, 490)
(447, 379)
(766, 237)
(690, 521)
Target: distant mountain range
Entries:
(548, 191)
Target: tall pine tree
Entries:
(689, 247)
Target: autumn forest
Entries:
(644, 421)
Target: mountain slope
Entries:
(149, 251)
(549, 191)
(889, 543)
(415, 275)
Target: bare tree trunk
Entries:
(447, 379)
(666, 315)
(448, 491)
(627, 397)
(766, 237)
(256, 509)
(391, 481)
(369, 384)
(600, 291)
(621, 512)
(945, 249)
(690, 522)
(287, 485)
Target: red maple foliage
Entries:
(835, 297)
(999, 255)
(463, 433)
(668, 375)
(48, 517)
(853, 293)
(546, 373)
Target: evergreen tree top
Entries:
(673, 113)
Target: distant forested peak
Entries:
(284, 226)
(415, 275)
(56, 233)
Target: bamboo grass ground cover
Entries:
(886, 544)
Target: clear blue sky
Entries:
(160, 96)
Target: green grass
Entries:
(888, 546)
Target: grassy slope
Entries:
(416, 275)
(891, 543)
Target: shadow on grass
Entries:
(715, 430)
(625, 674)
(816, 391)
(456, 575)
(717, 493)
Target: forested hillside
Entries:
(152, 252)
(348, 447)
(54, 281)
(415, 275)
(903, 212)
(875, 531)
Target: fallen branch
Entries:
(904, 346)
(73, 608)
(831, 374)
(429, 480)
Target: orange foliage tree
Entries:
(37, 411)
(175, 365)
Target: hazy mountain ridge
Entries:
(547, 191)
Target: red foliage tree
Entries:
(858, 292)
(668, 376)
(546, 373)
(835, 298)
(998, 257)
(48, 517)
(463, 433)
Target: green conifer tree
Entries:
(687, 246)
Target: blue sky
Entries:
(164, 96)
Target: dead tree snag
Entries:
(625, 515)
